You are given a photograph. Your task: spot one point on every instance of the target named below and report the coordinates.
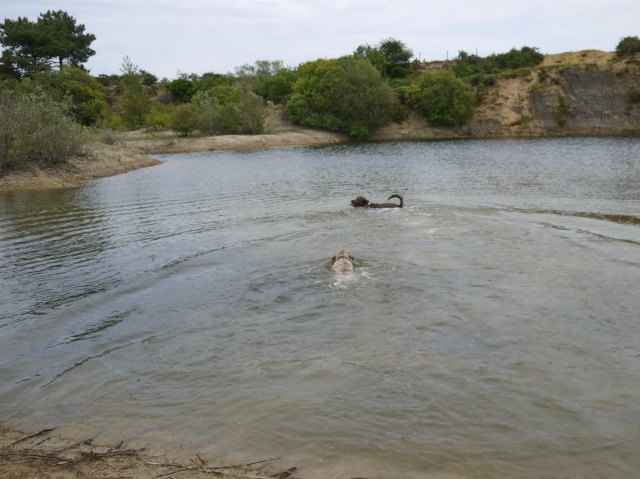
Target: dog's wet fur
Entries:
(342, 262)
(362, 202)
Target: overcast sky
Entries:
(165, 37)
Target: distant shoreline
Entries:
(519, 106)
(109, 160)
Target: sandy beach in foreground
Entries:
(45, 454)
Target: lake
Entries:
(491, 330)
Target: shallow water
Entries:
(491, 329)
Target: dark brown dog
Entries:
(361, 201)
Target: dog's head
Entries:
(343, 253)
(360, 201)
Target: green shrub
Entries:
(109, 136)
(628, 46)
(562, 111)
(467, 65)
(444, 99)
(85, 95)
(36, 128)
(346, 94)
(246, 114)
(278, 88)
(183, 89)
(184, 120)
(159, 118)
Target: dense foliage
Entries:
(444, 99)
(390, 57)
(36, 127)
(346, 95)
(85, 94)
(239, 110)
(467, 65)
(52, 40)
(183, 89)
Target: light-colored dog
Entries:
(342, 262)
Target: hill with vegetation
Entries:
(57, 120)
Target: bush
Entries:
(85, 95)
(183, 89)
(514, 59)
(184, 120)
(278, 87)
(467, 65)
(562, 111)
(628, 46)
(346, 95)
(244, 112)
(88, 95)
(36, 128)
(159, 117)
(444, 99)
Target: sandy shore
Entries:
(131, 153)
(44, 454)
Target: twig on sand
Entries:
(31, 436)
(215, 470)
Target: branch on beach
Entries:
(202, 466)
(83, 457)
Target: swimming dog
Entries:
(342, 262)
(361, 201)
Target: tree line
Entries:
(48, 101)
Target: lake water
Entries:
(492, 329)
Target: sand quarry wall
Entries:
(569, 94)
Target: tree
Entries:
(270, 79)
(444, 99)
(397, 55)
(135, 101)
(374, 55)
(67, 41)
(25, 48)
(390, 57)
(346, 94)
(50, 41)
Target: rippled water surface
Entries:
(492, 328)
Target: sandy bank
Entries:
(131, 154)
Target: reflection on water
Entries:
(490, 330)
